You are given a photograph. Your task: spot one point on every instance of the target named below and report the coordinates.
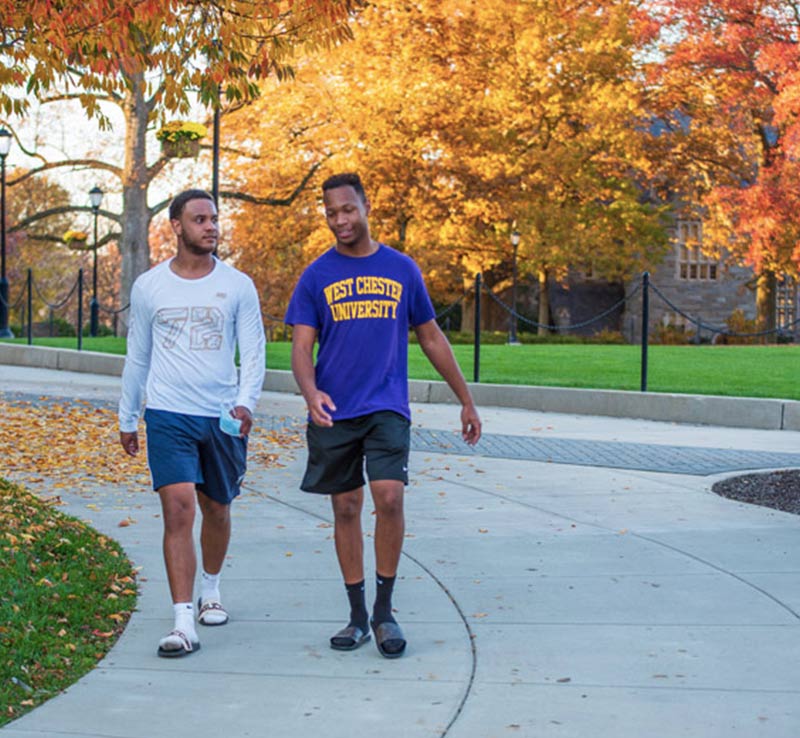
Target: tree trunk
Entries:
(133, 246)
(544, 304)
(765, 305)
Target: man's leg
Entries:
(347, 534)
(349, 540)
(389, 531)
(178, 507)
(215, 535)
(390, 525)
(178, 503)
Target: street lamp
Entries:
(215, 153)
(95, 198)
(512, 319)
(5, 147)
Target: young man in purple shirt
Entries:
(359, 300)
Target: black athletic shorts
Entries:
(336, 455)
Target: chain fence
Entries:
(59, 322)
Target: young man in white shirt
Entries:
(188, 315)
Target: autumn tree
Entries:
(41, 247)
(467, 119)
(151, 59)
(729, 90)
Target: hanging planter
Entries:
(182, 149)
(180, 139)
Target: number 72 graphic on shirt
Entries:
(204, 324)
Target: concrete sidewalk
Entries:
(539, 599)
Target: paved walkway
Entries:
(551, 586)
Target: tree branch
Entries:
(275, 201)
(93, 163)
(42, 215)
(76, 96)
(102, 241)
(163, 205)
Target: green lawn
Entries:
(66, 593)
(751, 371)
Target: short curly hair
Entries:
(345, 179)
(179, 201)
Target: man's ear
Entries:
(176, 226)
(367, 206)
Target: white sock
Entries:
(184, 619)
(209, 586)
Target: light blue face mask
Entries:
(227, 423)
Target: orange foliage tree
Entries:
(466, 118)
(150, 58)
(729, 87)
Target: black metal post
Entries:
(645, 325)
(29, 284)
(215, 153)
(512, 319)
(476, 374)
(94, 307)
(80, 309)
(5, 331)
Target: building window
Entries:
(785, 300)
(692, 262)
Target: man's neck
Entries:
(367, 247)
(192, 266)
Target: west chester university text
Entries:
(359, 309)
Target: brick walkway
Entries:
(695, 461)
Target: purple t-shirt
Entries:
(362, 308)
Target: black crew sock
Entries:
(358, 605)
(382, 609)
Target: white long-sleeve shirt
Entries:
(182, 339)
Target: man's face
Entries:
(197, 226)
(346, 214)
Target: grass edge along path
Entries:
(735, 371)
(66, 594)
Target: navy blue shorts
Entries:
(190, 448)
(336, 455)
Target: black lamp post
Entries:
(95, 198)
(5, 147)
(215, 154)
(512, 319)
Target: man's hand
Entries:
(317, 404)
(470, 424)
(240, 412)
(130, 442)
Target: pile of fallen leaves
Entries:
(75, 443)
(66, 593)
(67, 443)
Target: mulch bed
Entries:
(779, 490)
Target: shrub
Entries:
(606, 336)
(671, 335)
(737, 323)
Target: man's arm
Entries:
(252, 357)
(134, 374)
(303, 339)
(437, 348)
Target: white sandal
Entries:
(211, 612)
(175, 644)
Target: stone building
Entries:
(699, 286)
(689, 286)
